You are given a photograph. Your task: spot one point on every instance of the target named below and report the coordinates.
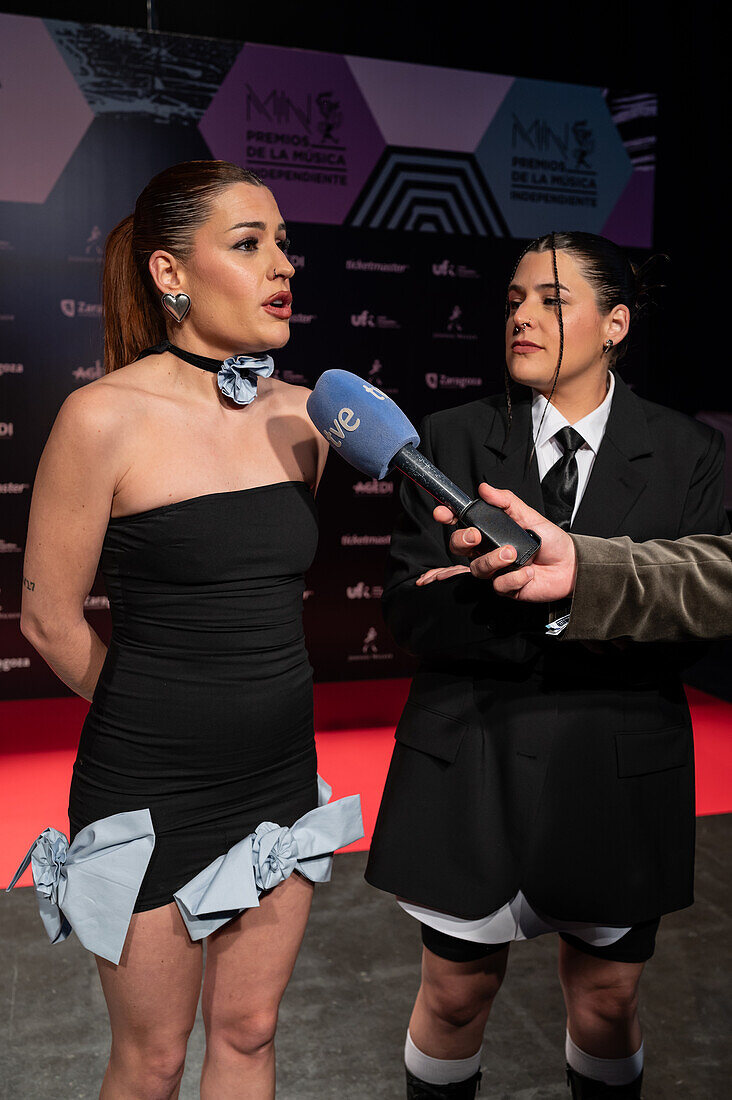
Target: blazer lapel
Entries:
(619, 474)
(505, 464)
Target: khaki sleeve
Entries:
(652, 591)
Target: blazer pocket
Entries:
(644, 753)
(429, 731)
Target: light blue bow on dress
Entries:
(238, 375)
(90, 887)
(265, 858)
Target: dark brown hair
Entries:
(614, 279)
(167, 214)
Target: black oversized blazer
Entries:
(522, 761)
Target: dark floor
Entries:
(344, 1015)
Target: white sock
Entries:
(611, 1071)
(438, 1071)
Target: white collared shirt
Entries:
(591, 428)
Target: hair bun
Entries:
(646, 279)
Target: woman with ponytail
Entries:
(187, 472)
(542, 786)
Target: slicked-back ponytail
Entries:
(131, 320)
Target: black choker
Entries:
(237, 375)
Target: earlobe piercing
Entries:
(606, 346)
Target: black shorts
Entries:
(636, 946)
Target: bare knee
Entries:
(152, 1066)
(611, 999)
(250, 1035)
(458, 1002)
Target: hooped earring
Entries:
(606, 346)
(177, 305)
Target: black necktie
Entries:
(559, 487)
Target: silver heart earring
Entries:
(177, 305)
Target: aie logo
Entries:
(372, 488)
(6, 429)
(88, 374)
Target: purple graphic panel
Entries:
(299, 120)
(430, 108)
(631, 222)
(43, 115)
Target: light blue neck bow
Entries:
(238, 375)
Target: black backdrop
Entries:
(667, 362)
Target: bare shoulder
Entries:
(102, 413)
(285, 393)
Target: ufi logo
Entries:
(363, 319)
(444, 268)
(6, 429)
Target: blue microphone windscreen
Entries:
(359, 421)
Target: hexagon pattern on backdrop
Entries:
(426, 107)
(299, 120)
(553, 158)
(43, 115)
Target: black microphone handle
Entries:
(495, 526)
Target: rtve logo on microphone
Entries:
(344, 422)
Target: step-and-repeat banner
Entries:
(407, 190)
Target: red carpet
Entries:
(38, 742)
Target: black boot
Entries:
(459, 1090)
(584, 1088)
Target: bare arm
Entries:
(71, 503)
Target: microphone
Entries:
(372, 433)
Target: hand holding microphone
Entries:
(373, 434)
(551, 574)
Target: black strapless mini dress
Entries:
(203, 712)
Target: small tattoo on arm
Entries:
(30, 585)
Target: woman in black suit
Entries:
(538, 786)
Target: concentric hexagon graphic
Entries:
(43, 115)
(553, 158)
(299, 120)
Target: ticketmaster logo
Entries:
(376, 265)
(13, 487)
(365, 540)
(7, 664)
(11, 368)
